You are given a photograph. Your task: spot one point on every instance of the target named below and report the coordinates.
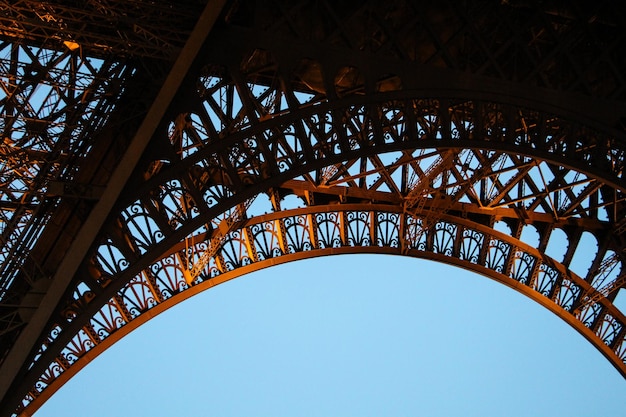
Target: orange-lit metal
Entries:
(471, 134)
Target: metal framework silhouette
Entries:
(152, 151)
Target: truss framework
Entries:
(355, 113)
(516, 178)
(102, 28)
(51, 103)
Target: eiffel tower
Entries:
(152, 150)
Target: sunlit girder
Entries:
(51, 103)
(330, 116)
(206, 179)
(322, 230)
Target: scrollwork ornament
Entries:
(138, 296)
(168, 273)
(338, 131)
(229, 265)
(213, 271)
(297, 233)
(497, 255)
(122, 264)
(110, 259)
(358, 228)
(157, 236)
(388, 229)
(328, 230)
(175, 203)
(103, 333)
(54, 333)
(265, 238)
(546, 279)
(568, 294)
(107, 320)
(142, 227)
(609, 329)
(56, 368)
(215, 194)
(455, 132)
(250, 143)
(135, 311)
(100, 325)
(134, 209)
(40, 385)
(589, 312)
(295, 221)
(70, 356)
(87, 343)
(471, 245)
(443, 238)
(284, 165)
(523, 265)
(118, 321)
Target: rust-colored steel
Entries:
(475, 134)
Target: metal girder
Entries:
(301, 233)
(29, 336)
(344, 108)
(102, 28)
(165, 211)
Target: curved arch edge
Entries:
(315, 253)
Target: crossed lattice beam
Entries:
(102, 28)
(350, 113)
(51, 102)
(206, 180)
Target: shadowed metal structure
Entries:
(150, 152)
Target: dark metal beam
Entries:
(28, 338)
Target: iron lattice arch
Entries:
(395, 175)
(351, 135)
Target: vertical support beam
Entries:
(373, 228)
(313, 231)
(27, 339)
(250, 246)
(343, 228)
(282, 236)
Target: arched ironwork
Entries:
(344, 138)
(307, 232)
(437, 194)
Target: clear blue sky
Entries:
(350, 335)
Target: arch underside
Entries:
(440, 203)
(260, 162)
(308, 232)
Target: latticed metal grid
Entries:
(572, 46)
(395, 137)
(51, 103)
(156, 29)
(63, 69)
(511, 174)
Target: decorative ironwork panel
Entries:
(396, 135)
(329, 230)
(477, 247)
